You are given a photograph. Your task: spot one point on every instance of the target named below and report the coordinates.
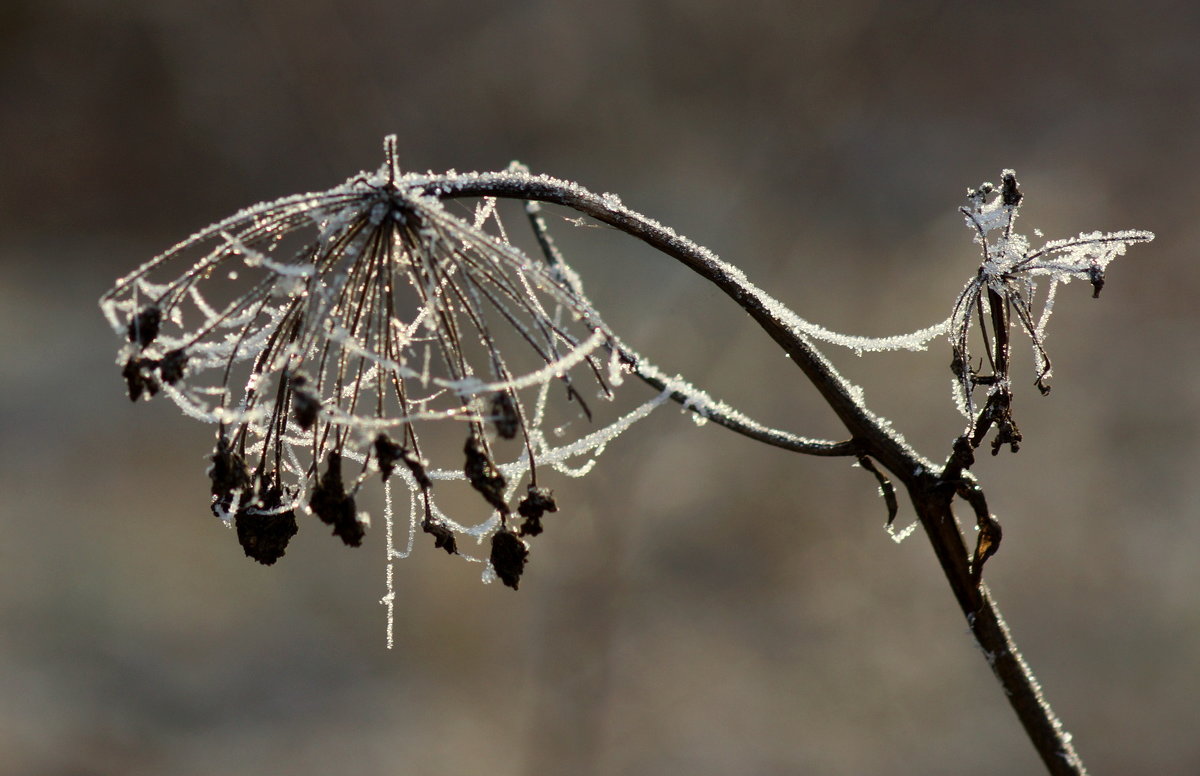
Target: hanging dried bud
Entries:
(262, 531)
(504, 415)
(172, 365)
(228, 474)
(1096, 278)
(1010, 195)
(139, 377)
(537, 502)
(508, 557)
(388, 453)
(306, 405)
(483, 474)
(143, 328)
(330, 502)
(443, 537)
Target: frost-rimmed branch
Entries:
(333, 328)
(929, 488)
(346, 341)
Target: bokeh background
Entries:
(703, 605)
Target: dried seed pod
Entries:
(388, 453)
(139, 377)
(443, 537)
(508, 557)
(143, 327)
(331, 503)
(262, 531)
(172, 365)
(537, 502)
(228, 474)
(306, 405)
(1009, 193)
(504, 415)
(1096, 278)
(484, 475)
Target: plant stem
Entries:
(931, 494)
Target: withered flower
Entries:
(324, 334)
(1003, 291)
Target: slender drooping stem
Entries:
(930, 490)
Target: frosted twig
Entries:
(372, 312)
(930, 493)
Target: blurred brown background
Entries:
(702, 605)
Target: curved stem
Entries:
(717, 413)
(745, 426)
(931, 494)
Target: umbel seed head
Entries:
(324, 334)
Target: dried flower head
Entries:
(1004, 290)
(322, 333)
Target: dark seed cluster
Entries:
(143, 329)
(537, 502)
(264, 531)
(140, 377)
(508, 557)
(331, 503)
(172, 365)
(144, 375)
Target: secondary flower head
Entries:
(1004, 289)
(323, 333)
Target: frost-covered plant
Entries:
(1003, 290)
(324, 334)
